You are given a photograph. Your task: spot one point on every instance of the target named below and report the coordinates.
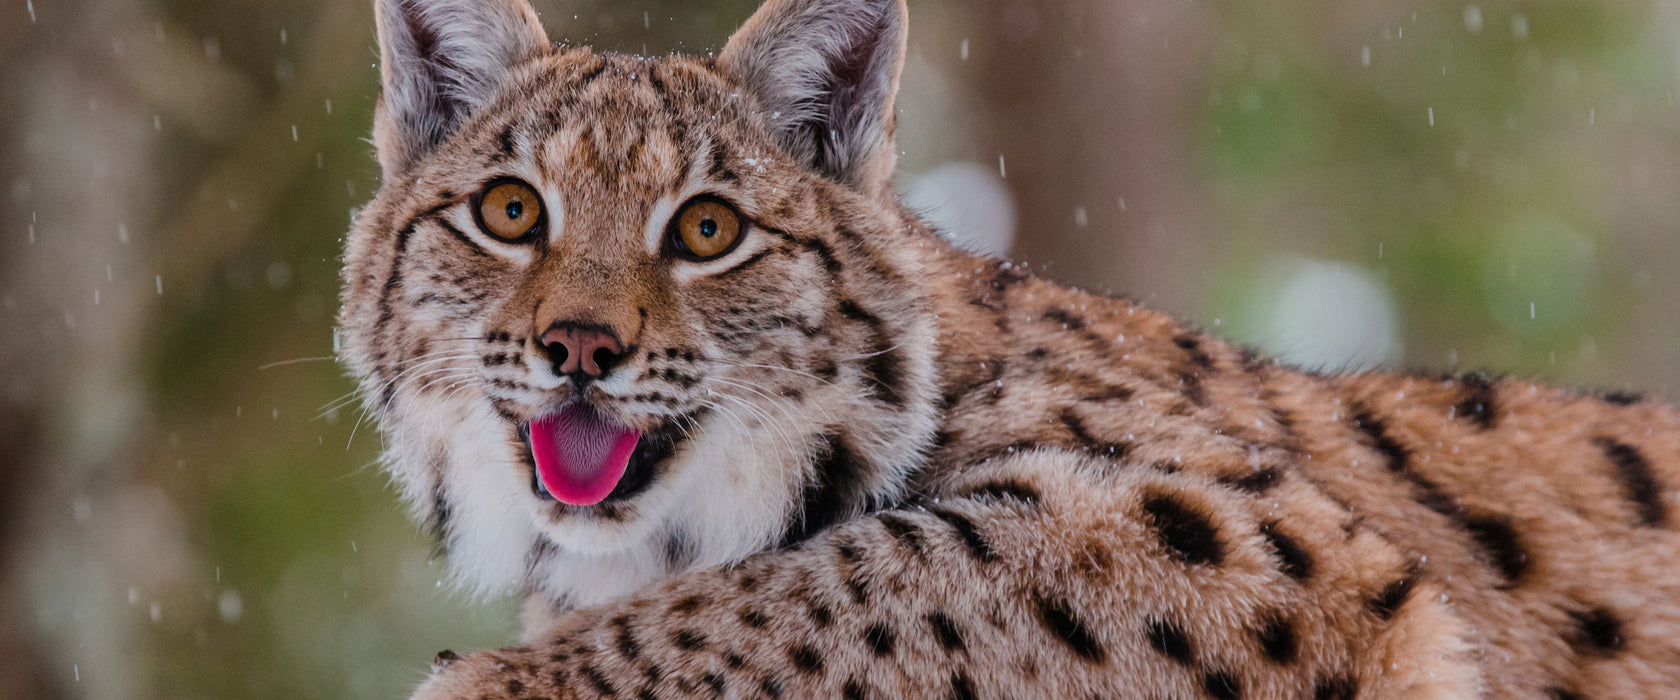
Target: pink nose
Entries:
(575, 348)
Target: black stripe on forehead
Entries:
(507, 144)
(718, 167)
(567, 93)
(581, 79)
(656, 82)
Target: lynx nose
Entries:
(580, 349)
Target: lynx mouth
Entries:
(581, 458)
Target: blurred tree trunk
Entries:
(27, 674)
(92, 238)
(1090, 105)
(75, 177)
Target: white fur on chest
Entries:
(729, 493)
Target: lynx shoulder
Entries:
(653, 344)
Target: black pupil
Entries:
(515, 209)
(708, 227)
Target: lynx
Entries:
(653, 344)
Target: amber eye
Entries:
(509, 210)
(705, 228)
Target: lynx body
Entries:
(653, 343)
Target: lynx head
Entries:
(619, 316)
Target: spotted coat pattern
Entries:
(991, 486)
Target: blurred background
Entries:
(187, 510)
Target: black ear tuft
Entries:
(826, 72)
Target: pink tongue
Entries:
(580, 454)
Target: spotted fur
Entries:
(878, 466)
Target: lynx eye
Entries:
(509, 210)
(705, 228)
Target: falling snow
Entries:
(1271, 180)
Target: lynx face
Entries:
(619, 316)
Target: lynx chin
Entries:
(653, 343)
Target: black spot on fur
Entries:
(945, 630)
(600, 682)
(1067, 626)
(1007, 274)
(1199, 363)
(854, 690)
(1067, 318)
(1256, 481)
(1394, 595)
(1430, 495)
(835, 491)
(968, 533)
(962, 687)
(1297, 561)
(884, 368)
(1188, 533)
(688, 639)
(820, 614)
(806, 658)
(1004, 490)
(1076, 427)
(1598, 631)
(679, 550)
(625, 639)
(1192, 347)
(1221, 685)
(1378, 438)
(903, 530)
(753, 618)
(856, 584)
(1478, 405)
(880, 638)
(1501, 545)
(1562, 694)
(1636, 475)
(1169, 639)
(1277, 639)
(1335, 688)
(770, 687)
(1622, 398)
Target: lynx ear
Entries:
(440, 61)
(827, 71)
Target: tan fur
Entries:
(907, 471)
